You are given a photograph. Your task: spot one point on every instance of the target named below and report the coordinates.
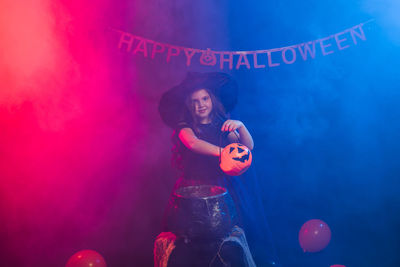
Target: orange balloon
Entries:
(86, 258)
(235, 159)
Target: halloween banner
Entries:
(255, 59)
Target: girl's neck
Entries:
(205, 121)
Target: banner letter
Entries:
(270, 64)
(307, 50)
(256, 66)
(141, 47)
(126, 38)
(189, 52)
(170, 52)
(155, 50)
(361, 34)
(323, 46)
(293, 56)
(339, 41)
(245, 62)
(222, 59)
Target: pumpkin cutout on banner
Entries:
(235, 159)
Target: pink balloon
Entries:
(86, 258)
(337, 265)
(314, 235)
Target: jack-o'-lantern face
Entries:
(235, 159)
(241, 152)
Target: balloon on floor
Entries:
(86, 258)
(314, 235)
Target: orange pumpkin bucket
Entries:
(235, 159)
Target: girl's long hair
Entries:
(217, 115)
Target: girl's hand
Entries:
(231, 125)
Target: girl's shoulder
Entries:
(181, 125)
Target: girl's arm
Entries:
(190, 140)
(244, 135)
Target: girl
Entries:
(197, 110)
(199, 142)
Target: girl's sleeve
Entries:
(181, 125)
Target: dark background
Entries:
(85, 158)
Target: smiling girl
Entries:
(198, 111)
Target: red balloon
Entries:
(314, 235)
(337, 265)
(86, 258)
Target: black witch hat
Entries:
(172, 106)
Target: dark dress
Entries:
(198, 169)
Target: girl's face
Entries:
(202, 105)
